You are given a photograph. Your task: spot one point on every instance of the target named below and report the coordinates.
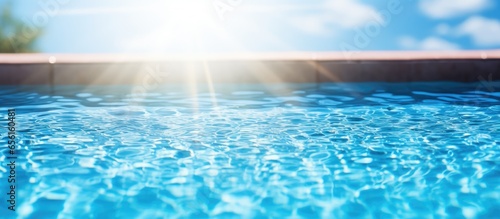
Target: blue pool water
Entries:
(363, 150)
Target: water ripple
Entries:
(335, 150)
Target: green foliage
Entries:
(16, 36)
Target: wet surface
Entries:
(366, 150)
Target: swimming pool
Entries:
(343, 150)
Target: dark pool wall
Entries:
(250, 71)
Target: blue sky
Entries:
(185, 26)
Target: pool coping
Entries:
(290, 67)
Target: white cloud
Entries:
(333, 14)
(483, 31)
(429, 43)
(350, 13)
(313, 25)
(103, 10)
(444, 29)
(452, 8)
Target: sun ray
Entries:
(210, 83)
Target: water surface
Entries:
(361, 150)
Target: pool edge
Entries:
(300, 67)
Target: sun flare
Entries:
(188, 18)
(191, 27)
(185, 22)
